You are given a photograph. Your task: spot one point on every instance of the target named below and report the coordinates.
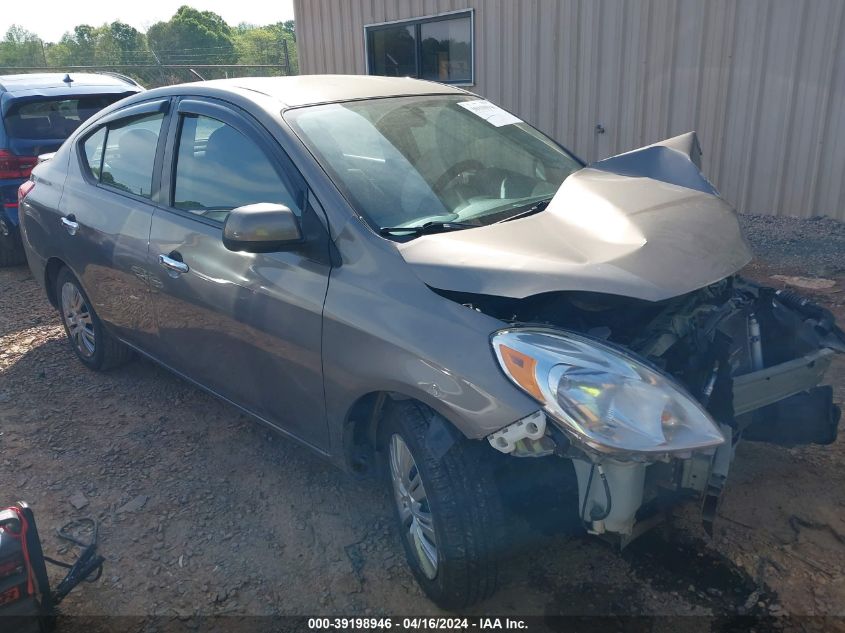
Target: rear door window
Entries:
(53, 119)
(128, 155)
(218, 169)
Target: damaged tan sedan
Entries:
(410, 280)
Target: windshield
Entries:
(409, 161)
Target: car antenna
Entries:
(67, 79)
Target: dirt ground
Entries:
(204, 512)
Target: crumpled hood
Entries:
(645, 224)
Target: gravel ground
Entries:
(204, 512)
(816, 246)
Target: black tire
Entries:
(11, 251)
(106, 352)
(464, 504)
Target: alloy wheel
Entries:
(412, 503)
(78, 320)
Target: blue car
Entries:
(37, 113)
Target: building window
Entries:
(439, 48)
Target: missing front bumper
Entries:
(754, 361)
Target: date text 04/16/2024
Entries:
(421, 623)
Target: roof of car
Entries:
(42, 82)
(300, 90)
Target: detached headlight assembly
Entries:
(604, 397)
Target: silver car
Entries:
(412, 281)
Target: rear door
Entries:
(247, 326)
(106, 211)
(39, 124)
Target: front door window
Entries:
(219, 169)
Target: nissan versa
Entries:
(403, 276)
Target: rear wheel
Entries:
(11, 251)
(95, 347)
(447, 508)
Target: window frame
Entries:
(125, 115)
(85, 164)
(417, 24)
(232, 115)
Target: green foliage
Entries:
(122, 42)
(20, 48)
(115, 43)
(266, 45)
(191, 37)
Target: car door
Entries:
(244, 325)
(106, 211)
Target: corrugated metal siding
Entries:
(762, 81)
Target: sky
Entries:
(53, 18)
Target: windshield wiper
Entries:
(427, 228)
(534, 208)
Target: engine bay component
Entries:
(755, 341)
(769, 385)
(746, 358)
(532, 428)
(611, 507)
(716, 479)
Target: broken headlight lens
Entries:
(606, 398)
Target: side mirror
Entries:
(261, 228)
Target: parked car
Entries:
(403, 276)
(37, 113)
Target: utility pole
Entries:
(287, 56)
(161, 68)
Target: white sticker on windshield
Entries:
(490, 112)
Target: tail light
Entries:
(14, 166)
(24, 190)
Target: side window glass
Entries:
(93, 150)
(130, 154)
(219, 169)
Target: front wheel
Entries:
(95, 347)
(447, 508)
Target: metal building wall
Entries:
(762, 81)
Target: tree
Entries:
(119, 43)
(75, 49)
(193, 36)
(265, 45)
(190, 37)
(106, 46)
(290, 27)
(21, 48)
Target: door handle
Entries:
(70, 224)
(173, 265)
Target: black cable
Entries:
(606, 512)
(87, 564)
(607, 495)
(57, 563)
(587, 495)
(63, 533)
